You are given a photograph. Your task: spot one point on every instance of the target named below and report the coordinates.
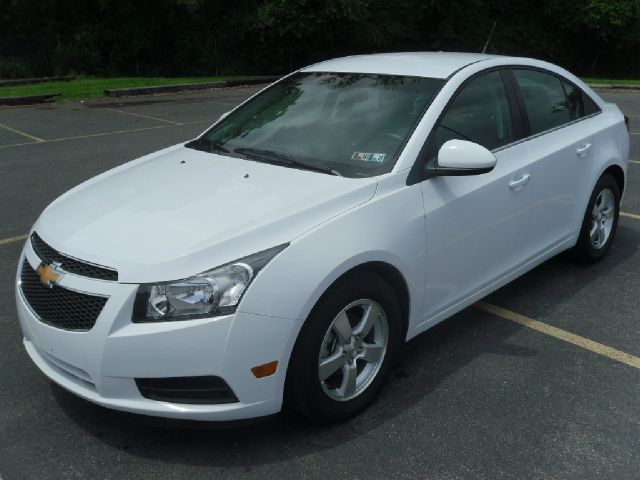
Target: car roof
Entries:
(419, 64)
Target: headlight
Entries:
(212, 293)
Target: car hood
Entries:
(179, 212)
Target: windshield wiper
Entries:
(271, 156)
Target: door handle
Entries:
(519, 183)
(583, 149)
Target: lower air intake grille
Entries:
(59, 306)
(197, 390)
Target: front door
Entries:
(477, 226)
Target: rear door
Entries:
(561, 145)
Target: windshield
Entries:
(348, 124)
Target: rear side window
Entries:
(479, 113)
(544, 98)
(575, 104)
(579, 103)
(590, 107)
(550, 101)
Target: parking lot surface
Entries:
(542, 381)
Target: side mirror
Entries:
(460, 157)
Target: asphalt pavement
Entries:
(481, 396)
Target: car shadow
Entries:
(561, 278)
(428, 361)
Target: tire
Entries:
(592, 247)
(329, 341)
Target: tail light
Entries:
(626, 122)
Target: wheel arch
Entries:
(389, 273)
(613, 168)
(393, 277)
(618, 174)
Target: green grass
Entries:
(93, 87)
(618, 81)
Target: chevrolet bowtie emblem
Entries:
(48, 274)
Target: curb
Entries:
(126, 92)
(33, 81)
(613, 86)
(28, 100)
(122, 92)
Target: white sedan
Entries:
(285, 255)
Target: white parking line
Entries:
(19, 132)
(117, 132)
(582, 342)
(630, 215)
(634, 161)
(157, 119)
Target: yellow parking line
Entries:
(157, 119)
(634, 161)
(630, 215)
(24, 134)
(17, 238)
(582, 342)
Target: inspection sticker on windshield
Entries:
(368, 157)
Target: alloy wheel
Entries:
(353, 349)
(602, 217)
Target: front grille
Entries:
(49, 255)
(208, 390)
(58, 306)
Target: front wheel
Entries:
(345, 350)
(600, 221)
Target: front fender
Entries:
(390, 228)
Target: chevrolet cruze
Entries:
(285, 255)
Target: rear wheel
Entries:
(600, 221)
(345, 350)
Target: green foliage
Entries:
(93, 87)
(11, 69)
(287, 32)
(610, 18)
(213, 37)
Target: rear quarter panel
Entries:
(612, 141)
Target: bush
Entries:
(74, 59)
(13, 69)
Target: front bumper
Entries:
(101, 364)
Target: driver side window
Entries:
(480, 113)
